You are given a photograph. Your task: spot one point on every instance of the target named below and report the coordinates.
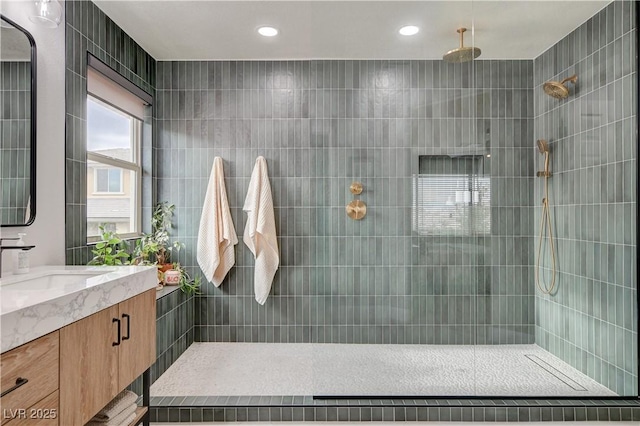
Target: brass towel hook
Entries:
(356, 209)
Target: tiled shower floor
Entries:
(226, 369)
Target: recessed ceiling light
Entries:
(409, 30)
(268, 31)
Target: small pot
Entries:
(165, 267)
(172, 277)
(162, 268)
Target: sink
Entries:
(19, 291)
(50, 280)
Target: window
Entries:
(451, 197)
(108, 180)
(115, 112)
(113, 170)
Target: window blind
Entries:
(107, 90)
(446, 203)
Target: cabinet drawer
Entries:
(36, 362)
(43, 413)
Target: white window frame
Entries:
(134, 166)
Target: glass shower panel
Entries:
(441, 288)
(560, 305)
(406, 303)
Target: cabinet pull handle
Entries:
(119, 333)
(128, 326)
(19, 382)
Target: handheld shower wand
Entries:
(543, 147)
(545, 223)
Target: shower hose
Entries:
(545, 223)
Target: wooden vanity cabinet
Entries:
(42, 413)
(88, 366)
(102, 354)
(138, 352)
(29, 383)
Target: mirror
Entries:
(17, 134)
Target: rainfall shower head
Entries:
(543, 146)
(558, 90)
(462, 53)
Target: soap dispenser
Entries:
(20, 257)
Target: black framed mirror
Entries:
(18, 133)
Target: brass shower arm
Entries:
(461, 32)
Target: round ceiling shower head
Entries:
(558, 90)
(462, 53)
(543, 146)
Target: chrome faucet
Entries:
(3, 248)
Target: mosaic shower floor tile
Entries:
(250, 369)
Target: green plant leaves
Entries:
(149, 249)
(110, 251)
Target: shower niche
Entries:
(451, 196)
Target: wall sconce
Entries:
(46, 13)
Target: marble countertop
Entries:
(50, 297)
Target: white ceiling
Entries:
(226, 30)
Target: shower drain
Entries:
(556, 373)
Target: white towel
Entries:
(217, 235)
(128, 420)
(123, 418)
(117, 405)
(260, 230)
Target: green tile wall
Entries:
(174, 330)
(591, 321)
(305, 409)
(322, 125)
(89, 30)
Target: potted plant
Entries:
(187, 285)
(156, 248)
(150, 249)
(110, 251)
